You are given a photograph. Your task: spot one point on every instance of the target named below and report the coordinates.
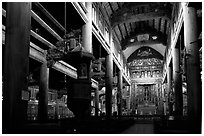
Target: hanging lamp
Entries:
(63, 47)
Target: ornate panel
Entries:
(144, 53)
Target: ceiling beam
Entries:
(128, 12)
(130, 17)
(126, 30)
(152, 32)
(111, 7)
(122, 36)
(104, 13)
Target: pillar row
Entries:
(87, 29)
(96, 101)
(43, 93)
(109, 86)
(177, 82)
(119, 95)
(169, 79)
(193, 77)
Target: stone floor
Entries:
(113, 126)
(139, 129)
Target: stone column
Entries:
(193, 77)
(119, 95)
(96, 101)
(43, 93)
(169, 79)
(87, 30)
(164, 98)
(177, 82)
(109, 86)
(79, 99)
(16, 65)
(57, 108)
(129, 98)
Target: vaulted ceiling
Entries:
(138, 24)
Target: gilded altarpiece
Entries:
(146, 76)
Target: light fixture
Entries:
(154, 37)
(132, 40)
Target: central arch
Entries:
(158, 47)
(144, 53)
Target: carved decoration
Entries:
(143, 37)
(62, 48)
(146, 62)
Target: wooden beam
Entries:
(39, 20)
(149, 42)
(46, 13)
(116, 35)
(126, 30)
(122, 37)
(160, 37)
(80, 10)
(41, 39)
(47, 27)
(94, 83)
(65, 68)
(130, 17)
(106, 12)
(105, 15)
(36, 53)
(111, 7)
(97, 74)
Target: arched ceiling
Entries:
(144, 53)
(137, 24)
(158, 47)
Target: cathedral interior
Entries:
(101, 67)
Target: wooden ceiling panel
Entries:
(114, 5)
(122, 30)
(128, 18)
(135, 13)
(118, 32)
(126, 31)
(106, 11)
(109, 11)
